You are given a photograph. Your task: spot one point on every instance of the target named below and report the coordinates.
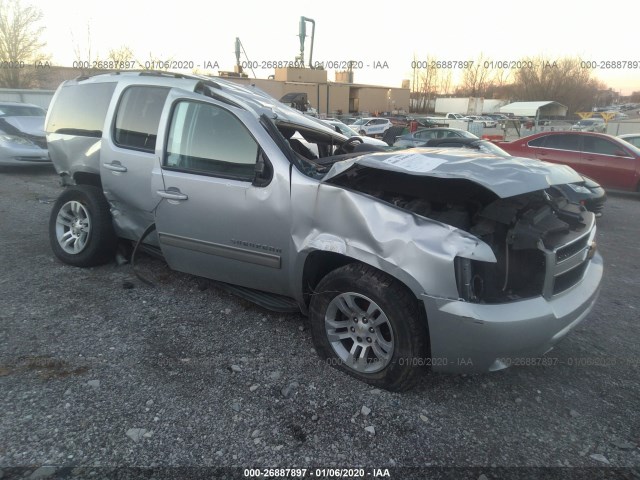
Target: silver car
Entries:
(590, 125)
(347, 131)
(402, 260)
(22, 137)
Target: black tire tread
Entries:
(404, 304)
(103, 240)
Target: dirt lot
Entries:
(99, 371)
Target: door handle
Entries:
(115, 167)
(591, 159)
(172, 194)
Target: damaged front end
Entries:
(541, 243)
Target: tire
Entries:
(80, 228)
(363, 133)
(393, 339)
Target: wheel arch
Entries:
(318, 263)
(87, 178)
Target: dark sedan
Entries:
(587, 192)
(612, 162)
(420, 137)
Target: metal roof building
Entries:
(534, 109)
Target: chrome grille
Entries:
(570, 250)
(566, 264)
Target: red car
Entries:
(612, 162)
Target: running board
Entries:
(270, 301)
(154, 252)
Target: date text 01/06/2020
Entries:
(317, 472)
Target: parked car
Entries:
(401, 259)
(610, 161)
(347, 131)
(590, 125)
(632, 138)
(496, 116)
(426, 122)
(586, 192)
(371, 125)
(485, 121)
(488, 121)
(22, 137)
(420, 137)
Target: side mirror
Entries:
(262, 171)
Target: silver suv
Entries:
(455, 260)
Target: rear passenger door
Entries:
(128, 156)
(609, 163)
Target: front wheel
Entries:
(369, 325)
(80, 228)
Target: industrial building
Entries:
(331, 98)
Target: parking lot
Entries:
(100, 370)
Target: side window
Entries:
(138, 118)
(563, 142)
(207, 139)
(81, 109)
(600, 146)
(634, 141)
(537, 142)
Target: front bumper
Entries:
(471, 337)
(24, 156)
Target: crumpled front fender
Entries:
(418, 251)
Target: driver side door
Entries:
(213, 219)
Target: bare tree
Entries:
(121, 58)
(445, 82)
(83, 54)
(430, 81)
(427, 84)
(562, 80)
(20, 44)
(154, 62)
(476, 79)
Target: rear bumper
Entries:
(470, 337)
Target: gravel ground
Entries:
(100, 370)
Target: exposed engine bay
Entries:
(520, 230)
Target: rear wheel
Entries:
(80, 228)
(368, 324)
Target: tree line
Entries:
(564, 80)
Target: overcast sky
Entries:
(366, 31)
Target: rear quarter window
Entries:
(138, 117)
(536, 142)
(81, 109)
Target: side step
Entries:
(270, 301)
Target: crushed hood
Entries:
(506, 177)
